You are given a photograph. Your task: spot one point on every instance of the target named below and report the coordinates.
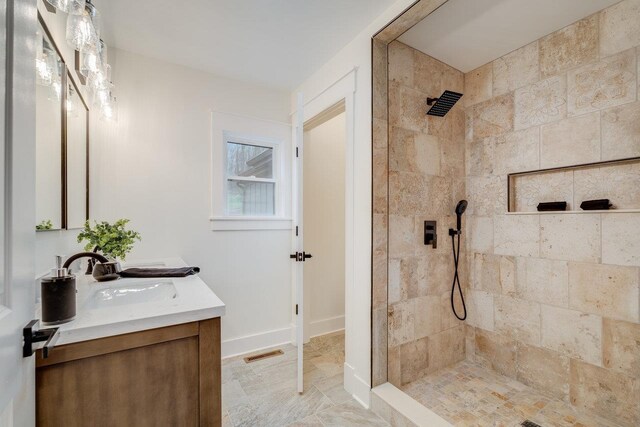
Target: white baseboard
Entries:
(251, 343)
(356, 386)
(326, 326)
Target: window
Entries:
(250, 173)
(251, 186)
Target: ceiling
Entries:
(277, 43)
(469, 33)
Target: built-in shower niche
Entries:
(616, 180)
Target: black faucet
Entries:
(103, 270)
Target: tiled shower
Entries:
(553, 298)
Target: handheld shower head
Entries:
(460, 208)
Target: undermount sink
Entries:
(133, 293)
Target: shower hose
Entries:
(456, 278)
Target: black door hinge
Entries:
(296, 230)
(297, 152)
(300, 256)
(296, 309)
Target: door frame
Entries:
(17, 230)
(342, 90)
(332, 112)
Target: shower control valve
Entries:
(430, 234)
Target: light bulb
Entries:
(89, 64)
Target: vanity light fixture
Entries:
(84, 24)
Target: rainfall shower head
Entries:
(441, 106)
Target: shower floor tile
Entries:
(469, 394)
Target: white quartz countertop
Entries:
(193, 301)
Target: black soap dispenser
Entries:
(58, 293)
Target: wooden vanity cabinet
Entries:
(168, 376)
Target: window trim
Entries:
(274, 144)
(253, 130)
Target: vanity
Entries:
(140, 352)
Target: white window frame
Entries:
(252, 131)
(234, 138)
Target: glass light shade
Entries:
(81, 34)
(56, 91)
(68, 6)
(62, 5)
(110, 109)
(101, 78)
(73, 102)
(94, 63)
(46, 68)
(96, 19)
(71, 109)
(45, 62)
(102, 52)
(76, 7)
(101, 97)
(89, 64)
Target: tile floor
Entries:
(263, 393)
(468, 394)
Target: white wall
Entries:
(153, 167)
(357, 54)
(324, 222)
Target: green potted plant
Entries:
(114, 241)
(45, 225)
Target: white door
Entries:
(298, 255)
(17, 213)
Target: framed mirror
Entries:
(77, 158)
(50, 73)
(62, 141)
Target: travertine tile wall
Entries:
(426, 179)
(555, 298)
(380, 182)
(380, 204)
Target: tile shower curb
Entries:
(400, 409)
